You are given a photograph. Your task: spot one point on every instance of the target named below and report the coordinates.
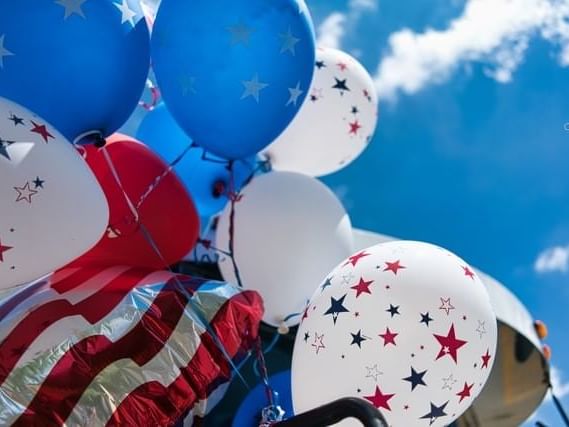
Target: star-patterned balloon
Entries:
(53, 209)
(412, 332)
(336, 122)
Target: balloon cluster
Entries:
(246, 114)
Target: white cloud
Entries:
(555, 259)
(560, 388)
(492, 32)
(333, 29)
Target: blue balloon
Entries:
(249, 413)
(79, 64)
(206, 177)
(233, 73)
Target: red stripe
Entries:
(73, 373)
(93, 309)
(74, 280)
(236, 324)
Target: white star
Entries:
(295, 92)
(3, 51)
(449, 382)
(348, 278)
(72, 7)
(128, 14)
(253, 88)
(481, 328)
(289, 42)
(373, 372)
(446, 305)
(240, 33)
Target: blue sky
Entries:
(471, 151)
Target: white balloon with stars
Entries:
(406, 326)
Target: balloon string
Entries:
(559, 406)
(234, 197)
(150, 240)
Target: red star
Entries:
(342, 66)
(355, 127)
(486, 359)
(465, 392)
(362, 287)
(388, 337)
(468, 272)
(394, 267)
(355, 258)
(2, 250)
(305, 314)
(42, 130)
(318, 343)
(380, 400)
(449, 344)
(25, 193)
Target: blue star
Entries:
(341, 85)
(425, 318)
(17, 120)
(306, 336)
(393, 310)
(337, 307)
(416, 378)
(327, 283)
(436, 412)
(320, 65)
(358, 339)
(38, 183)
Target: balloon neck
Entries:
(219, 188)
(283, 329)
(94, 137)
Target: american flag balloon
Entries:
(406, 326)
(120, 346)
(53, 209)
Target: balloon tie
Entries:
(272, 413)
(155, 96)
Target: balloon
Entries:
(249, 413)
(336, 122)
(168, 222)
(205, 177)
(52, 209)
(79, 64)
(290, 230)
(233, 73)
(407, 326)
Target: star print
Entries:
(318, 343)
(446, 305)
(362, 287)
(295, 93)
(289, 42)
(3, 148)
(72, 7)
(394, 267)
(436, 412)
(3, 51)
(341, 85)
(25, 193)
(305, 313)
(240, 33)
(468, 272)
(481, 328)
(465, 392)
(337, 307)
(388, 337)
(373, 372)
(426, 319)
(342, 66)
(306, 336)
(313, 98)
(367, 95)
(393, 310)
(449, 344)
(380, 400)
(355, 258)
(3, 249)
(416, 378)
(486, 359)
(42, 131)
(320, 65)
(187, 84)
(253, 88)
(355, 110)
(17, 120)
(348, 278)
(355, 127)
(38, 183)
(358, 338)
(128, 14)
(449, 382)
(327, 283)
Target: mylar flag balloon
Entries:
(52, 209)
(406, 326)
(233, 73)
(79, 64)
(289, 231)
(206, 177)
(336, 122)
(153, 221)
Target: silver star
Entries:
(373, 372)
(128, 14)
(72, 7)
(289, 42)
(348, 278)
(240, 33)
(3, 51)
(449, 382)
(187, 83)
(295, 92)
(481, 328)
(253, 88)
